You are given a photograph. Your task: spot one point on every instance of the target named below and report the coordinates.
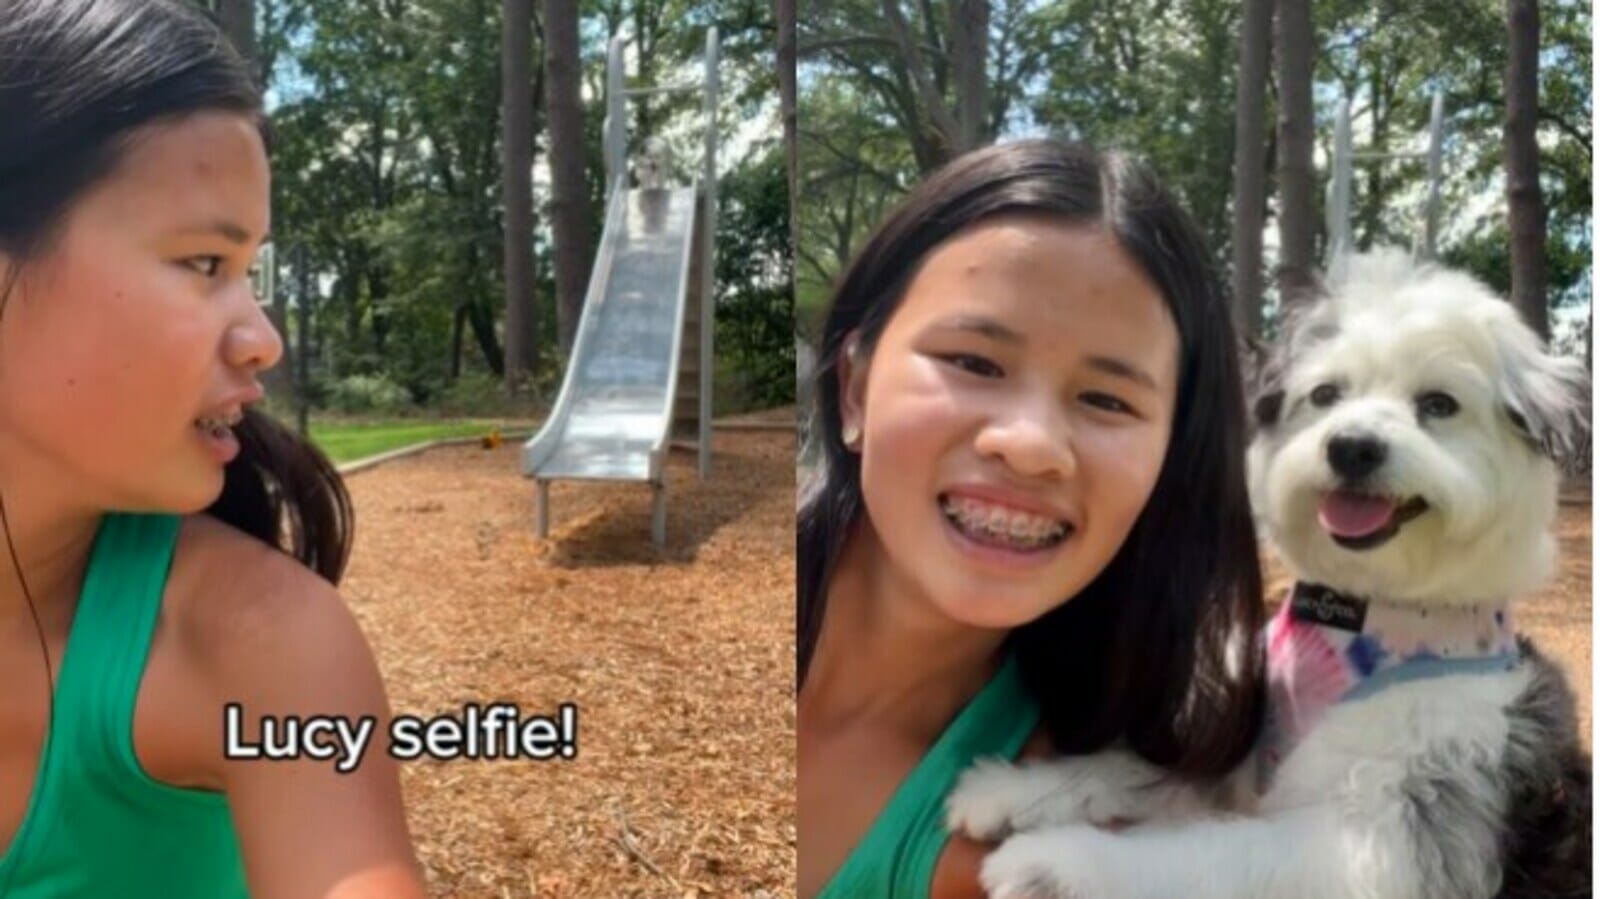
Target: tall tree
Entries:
(1524, 201)
(569, 191)
(969, 57)
(1297, 227)
(238, 21)
(516, 67)
(1249, 172)
(787, 103)
(929, 65)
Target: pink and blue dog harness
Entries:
(1326, 648)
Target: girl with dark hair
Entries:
(168, 551)
(1029, 530)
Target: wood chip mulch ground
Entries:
(1557, 618)
(680, 661)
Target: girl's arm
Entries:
(288, 646)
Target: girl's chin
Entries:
(992, 610)
(187, 492)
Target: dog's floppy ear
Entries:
(1268, 407)
(1546, 396)
(1306, 323)
(1262, 393)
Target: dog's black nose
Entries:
(1354, 456)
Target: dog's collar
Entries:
(1325, 647)
(1404, 631)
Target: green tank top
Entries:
(97, 825)
(896, 858)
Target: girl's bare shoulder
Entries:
(244, 611)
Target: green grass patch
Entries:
(346, 440)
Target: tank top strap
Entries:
(97, 824)
(110, 641)
(896, 858)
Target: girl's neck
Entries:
(890, 656)
(52, 541)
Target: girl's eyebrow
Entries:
(984, 326)
(227, 229)
(1120, 369)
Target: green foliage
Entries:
(480, 394)
(1158, 78)
(359, 394)
(755, 278)
(854, 164)
(387, 168)
(1388, 59)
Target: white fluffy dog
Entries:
(1414, 746)
(653, 165)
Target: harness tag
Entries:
(1315, 604)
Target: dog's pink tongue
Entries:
(1347, 514)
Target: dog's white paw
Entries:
(1047, 864)
(989, 799)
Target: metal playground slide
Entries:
(640, 370)
(613, 418)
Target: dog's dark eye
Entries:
(1437, 405)
(1324, 395)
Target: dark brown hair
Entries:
(77, 79)
(1162, 649)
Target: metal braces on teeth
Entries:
(218, 425)
(981, 526)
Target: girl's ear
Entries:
(852, 367)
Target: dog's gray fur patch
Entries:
(1549, 826)
(1516, 827)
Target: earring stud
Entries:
(850, 434)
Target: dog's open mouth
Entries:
(1364, 520)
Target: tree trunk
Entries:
(1378, 187)
(302, 353)
(456, 328)
(1297, 207)
(238, 20)
(479, 316)
(482, 324)
(377, 298)
(1523, 197)
(276, 379)
(569, 192)
(517, 192)
(788, 102)
(969, 47)
(350, 294)
(1249, 175)
(920, 77)
(647, 33)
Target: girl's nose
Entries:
(1033, 439)
(251, 341)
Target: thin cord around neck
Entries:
(44, 647)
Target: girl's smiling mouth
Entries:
(985, 520)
